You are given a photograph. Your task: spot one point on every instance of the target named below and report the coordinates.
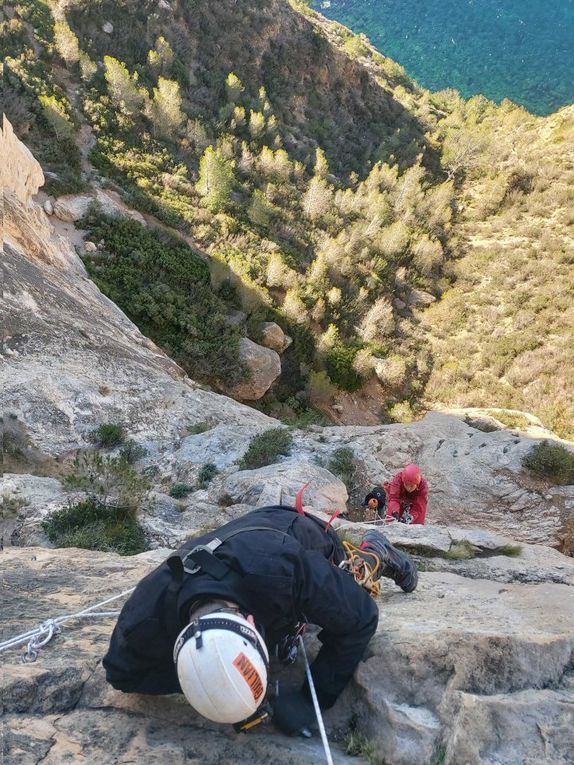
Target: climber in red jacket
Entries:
(408, 496)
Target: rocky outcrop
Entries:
(264, 367)
(71, 359)
(72, 207)
(463, 670)
(26, 228)
(476, 479)
(279, 483)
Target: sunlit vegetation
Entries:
(392, 232)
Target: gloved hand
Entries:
(292, 712)
(395, 565)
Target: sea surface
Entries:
(517, 49)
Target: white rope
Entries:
(316, 704)
(40, 636)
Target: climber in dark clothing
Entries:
(258, 575)
(376, 500)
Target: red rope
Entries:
(332, 518)
(299, 499)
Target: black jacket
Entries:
(279, 578)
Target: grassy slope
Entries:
(505, 332)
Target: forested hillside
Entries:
(416, 247)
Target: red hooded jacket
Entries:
(399, 497)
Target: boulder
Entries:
(90, 247)
(279, 484)
(272, 336)
(26, 500)
(221, 445)
(264, 366)
(420, 298)
(72, 207)
(48, 207)
(237, 318)
(108, 27)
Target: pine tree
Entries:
(321, 164)
(122, 86)
(216, 179)
(165, 110)
(234, 87)
(66, 43)
(317, 199)
(56, 114)
(161, 59)
(260, 211)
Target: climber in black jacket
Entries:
(208, 616)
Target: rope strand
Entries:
(316, 704)
(40, 636)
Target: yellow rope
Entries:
(363, 570)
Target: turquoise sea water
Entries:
(517, 49)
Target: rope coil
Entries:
(363, 565)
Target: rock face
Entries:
(264, 365)
(71, 359)
(26, 228)
(476, 479)
(463, 670)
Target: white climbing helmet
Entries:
(222, 664)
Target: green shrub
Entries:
(265, 448)
(164, 287)
(180, 490)
(9, 505)
(358, 745)
(131, 451)
(511, 420)
(95, 525)
(510, 551)
(463, 550)
(108, 435)
(552, 462)
(206, 475)
(342, 464)
(402, 412)
(109, 479)
(339, 362)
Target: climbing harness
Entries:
(40, 636)
(363, 565)
(316, 703)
